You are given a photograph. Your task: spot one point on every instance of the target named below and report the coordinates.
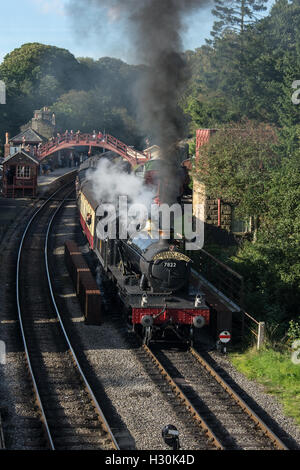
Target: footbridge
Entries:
(106, 141)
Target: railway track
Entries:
(216, 414)
(198, 428)
(70, 415)
(224, 417)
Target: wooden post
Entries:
(261, 335)
(243, 324)
(219, 213)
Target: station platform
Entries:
(45, 180)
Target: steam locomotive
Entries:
(151, 275)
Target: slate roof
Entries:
(22, 154)
(31, 137)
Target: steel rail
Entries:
(37, 394)
(243, 405)
(194, 413)
(2, 441)
(101, 416)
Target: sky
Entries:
(47, 22)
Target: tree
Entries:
(235, 16)
(236, 165)
(283, 24)
(35, 75)
(32, 61)
(242, 165)
(255, 81)
(270, 266)
(231, 59)
(256, 166)
(87, 93)
(88, 110)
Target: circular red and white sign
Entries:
(225, 337)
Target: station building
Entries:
(20, 172)
(33, 134)
(21, 165)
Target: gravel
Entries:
(266, 401)
(20, 418)
(144, 410)
(140, 406)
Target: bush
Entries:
(293, 332)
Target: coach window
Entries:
(23, 171)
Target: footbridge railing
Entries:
(106, 141)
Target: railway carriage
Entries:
(87, 206)
(151, 276)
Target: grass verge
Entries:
(276, 371)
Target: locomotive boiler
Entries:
(161, 266)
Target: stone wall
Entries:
(43, 122)
(43, 128)
(213, 233)
(211, 213)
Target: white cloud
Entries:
(50, 6)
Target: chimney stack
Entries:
(6, 146)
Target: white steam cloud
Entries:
(109, 181)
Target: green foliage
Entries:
(33, 61)
(235, 15)
(235, 165)
(88, 110)
(86, 94)
(245, 75)
(293, 332)
(276, 371)
(250, 73)
(239, 82)
(245, 164)
(35, 75)
(267, 296)
(271, 265)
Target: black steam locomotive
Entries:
(151, 276)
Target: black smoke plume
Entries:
(155, 28)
